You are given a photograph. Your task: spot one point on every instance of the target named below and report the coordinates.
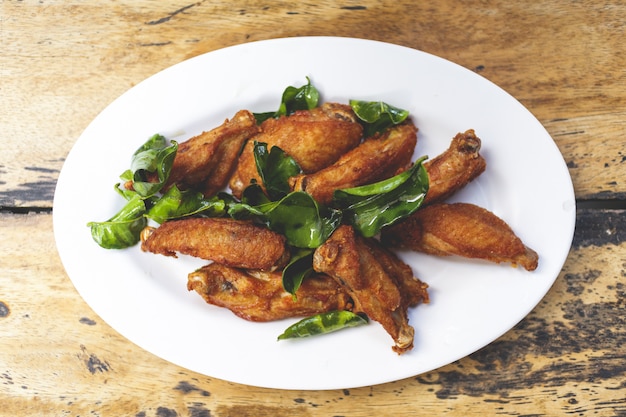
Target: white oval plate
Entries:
(144, 296)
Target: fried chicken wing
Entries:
(371, 282)
(314, 138)
(460, 229)
(455, 167)
(259, 296)
(413, 290)
(375, 159)
(235, 243)
(206, 161)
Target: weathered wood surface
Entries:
(57, 357)
(61, 63)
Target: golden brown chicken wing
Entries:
(235, 243)
(206, 161)
(455, 167)
(375, 159)
(413, 290)
(313, 138)
(259, 296)
(370, 282)
(460, 229)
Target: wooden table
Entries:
(61, 63)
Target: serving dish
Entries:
(144, 296)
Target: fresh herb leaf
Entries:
(293, 99)
(245, 209)
(371, 207)
(323, 323)
(150, 168)
(275, 168)
(151, 165)
(299, 267)
(304, 222)
(175, 204)
(127, 194)
(377, 116)
(261, 117)
(297, 216)
(302, 98)
(254, 195)
(123, 229)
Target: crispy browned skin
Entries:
(230, 242)
(460, 229)
(259, 296)
(206, 161)
(371, 283)
(314, 138)
(413, 290)
(455, 167)
(375, 159)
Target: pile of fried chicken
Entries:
(353, 273)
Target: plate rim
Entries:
(315, 39)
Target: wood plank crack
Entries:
(174, 13)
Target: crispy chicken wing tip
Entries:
(461, 229)
(379, 283)
(529, 260)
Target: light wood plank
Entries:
(62, 63)
(566, 357)
(595, 152)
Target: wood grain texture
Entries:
(62, 63)
(57, 357)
